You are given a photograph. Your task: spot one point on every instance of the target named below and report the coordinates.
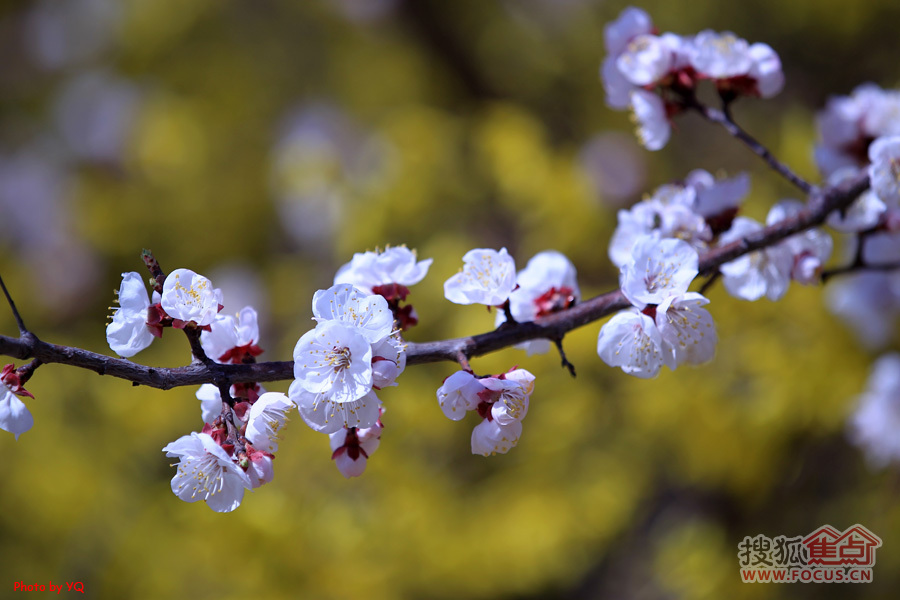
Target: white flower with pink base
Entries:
(206, 472)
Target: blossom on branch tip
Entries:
(720, 55)
(14, 415)
(396, 264)
(630, 23)
(206, 472)
(645, 59)
(487, 277)
(735, 65)
(849, 124)
(189, 297)
(128, 333)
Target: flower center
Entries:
(339, 358)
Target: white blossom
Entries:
(267, 417)
(514, 391)
(333, 361)
(875, 423)
(660, 268)
(713, 196)
(388, 361)
(489, 437)
(327, 416)
(368, 315)
(869, 305)
(884, 172)
(720, 55)
(547, 284)
(649, 112)
(687, 330)
(210, 402)
(459, 394)
(630, 23)
(128, 334)
(261, 469)
(228, 332)
(848, 124)
(645, 60)
(187, 296)
(668, 213)
(632, 341)
(487, 277)
(863, 213)
(618, 88)
(351, 448)
(759, 273)
(809, 249)
(206, 472)
(766, 70)
(396, 264)
(14, 415)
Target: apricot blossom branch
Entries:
(552, 327)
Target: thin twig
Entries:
(852, 268)
(562, 354)
(12, 305)
(710, 282)
(724, 119)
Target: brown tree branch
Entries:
(552, 327)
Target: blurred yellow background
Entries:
(261, 144)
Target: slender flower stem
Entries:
(724, 119)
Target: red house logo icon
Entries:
(828, 547)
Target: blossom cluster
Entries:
(185, 298)
(354, 351)
(862, 131)
(702, 211)
(655, 75)
(501, 402)
(666, 324)
(235, 448)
